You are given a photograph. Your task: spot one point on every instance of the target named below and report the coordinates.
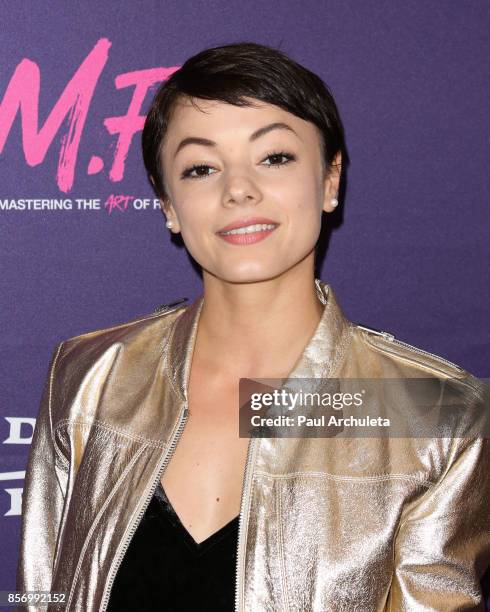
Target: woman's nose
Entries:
(240, 190)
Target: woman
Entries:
(139, 422)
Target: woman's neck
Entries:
(258, 329)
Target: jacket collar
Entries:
(320, 358)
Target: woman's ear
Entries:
(167, 208)
(332, 182)
(170, 215)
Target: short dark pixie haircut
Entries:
(232, 73)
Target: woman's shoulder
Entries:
(133, 336)
(381, 355)
(437, 398)
(88, 358)
(162, 316)
(390, 347)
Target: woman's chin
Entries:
(249, 274)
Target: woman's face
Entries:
(237, 167)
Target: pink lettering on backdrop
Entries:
(22, 96)
(119, 202)
(132, 122)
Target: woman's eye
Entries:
(277, 159)
(188, 172)
(278, 156)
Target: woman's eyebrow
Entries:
(277, 125)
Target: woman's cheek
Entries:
(307, 212)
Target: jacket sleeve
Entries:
(42, 499)
(442, 548)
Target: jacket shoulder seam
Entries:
(440, 367)
(389, 346)
(130, 323)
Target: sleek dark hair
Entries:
(232, 73)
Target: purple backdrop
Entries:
(410, 254)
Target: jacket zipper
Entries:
(391, 338)
(244, 499)
(115, 566)
(242, 519)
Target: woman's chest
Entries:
(204, 476)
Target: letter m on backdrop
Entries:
(22, 95)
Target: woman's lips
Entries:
(250, 237)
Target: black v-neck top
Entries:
(165, 569)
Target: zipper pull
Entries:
(168, 307)
(377, 332)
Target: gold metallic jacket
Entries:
(326, 524)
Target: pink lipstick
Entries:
(248, 230)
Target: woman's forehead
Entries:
(215, 116)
